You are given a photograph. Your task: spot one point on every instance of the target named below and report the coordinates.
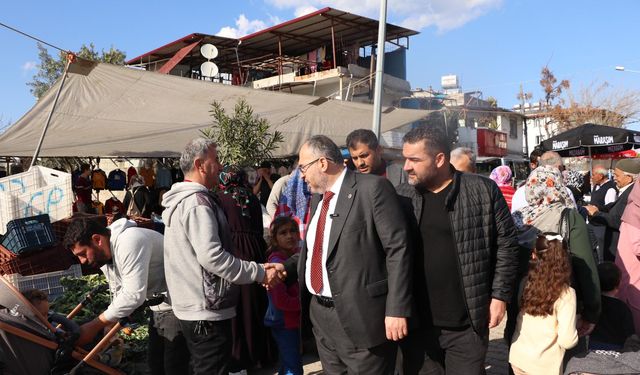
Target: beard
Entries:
(322, 184)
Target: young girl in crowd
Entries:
(283, 314)
(547, 320)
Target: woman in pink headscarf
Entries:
(628, 257)
(502, 176)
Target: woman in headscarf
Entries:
(574, 181)
(502, 176)
(551, 209)
(251, 341)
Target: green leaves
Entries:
(50, 68)
(243, 139)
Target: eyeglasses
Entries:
(303, 168)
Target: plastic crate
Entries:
(60, 226)
(55, 258)
(48, 282)
(38, 191)
(29, 234)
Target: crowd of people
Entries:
(393, 267)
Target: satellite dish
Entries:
(209, 51)
(209, 69)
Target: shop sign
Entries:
(492, 142)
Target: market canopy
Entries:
(111, 111)
(592, 139)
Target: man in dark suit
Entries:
(625, 174)
(356, 264)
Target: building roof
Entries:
(225, 49)
(297, 36)
(292, 38)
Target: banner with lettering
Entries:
(592, 139)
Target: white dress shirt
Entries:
(311, 238)
(611, 194)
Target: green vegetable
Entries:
(135, 355)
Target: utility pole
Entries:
(524, 97)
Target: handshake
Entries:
(274, 273)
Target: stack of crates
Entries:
(30, 254)
(28, 234)
(38, 191)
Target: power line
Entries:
(34, 38)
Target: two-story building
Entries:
(328, 53)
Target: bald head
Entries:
(463, 159)
(552, 159)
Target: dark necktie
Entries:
(316, 257)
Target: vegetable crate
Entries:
(38, 191)
(48, 282)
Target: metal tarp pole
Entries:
(70, 58)
(377, 96)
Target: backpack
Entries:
(99, 179)
(117, 180)
(133, 209)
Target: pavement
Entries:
(496, 361)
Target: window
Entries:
(513, 128)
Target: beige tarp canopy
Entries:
(110, 111)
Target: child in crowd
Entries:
(283, 314)
(616, 323)
(39, 300)
(547, 321)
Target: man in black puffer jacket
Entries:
(468, 251)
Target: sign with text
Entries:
(491, 142)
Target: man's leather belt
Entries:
(325, 301)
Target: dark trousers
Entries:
(288, 341)
(167, 357)
(439, 350)
(464, 351)
(418, 351)
(209, 345)
(337, 352)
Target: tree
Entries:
(243, 138)
(552, 91)
(597, 103)
(50, 68)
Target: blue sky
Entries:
(493, 45)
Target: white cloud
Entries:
(303, 10)
(28, 66)
(244, 26)
(445, 15)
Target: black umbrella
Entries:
(591, 139)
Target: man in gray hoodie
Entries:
(131, 259)
(200, 267)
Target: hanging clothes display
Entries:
(117, 180)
